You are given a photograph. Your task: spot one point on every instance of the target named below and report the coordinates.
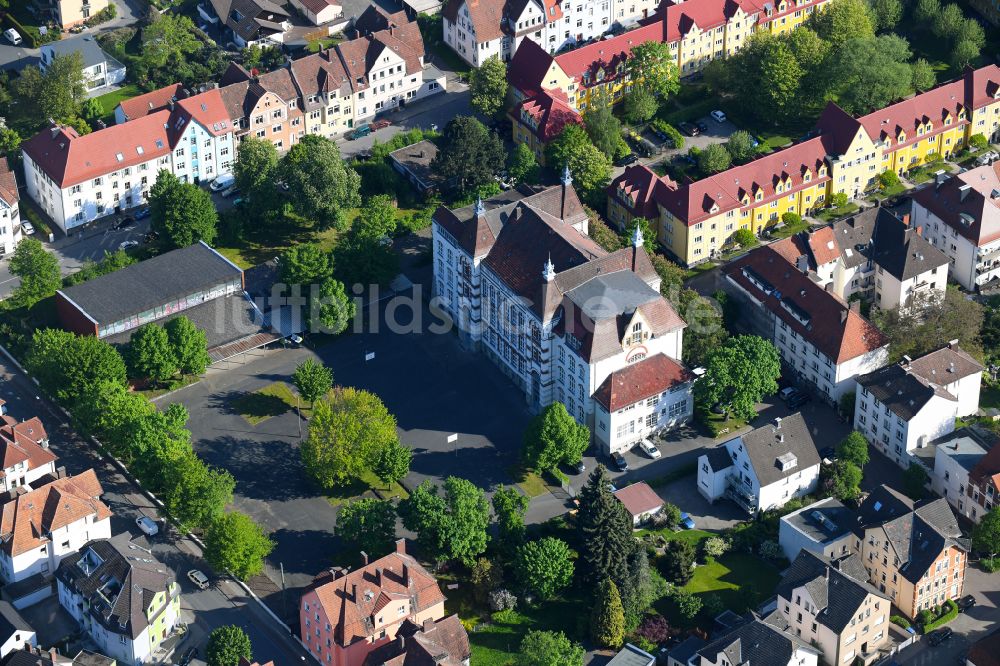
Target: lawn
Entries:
(367, 483)
(690, 536)
(926, 172)
(112, 99)
(989, 396)
(830, 214)
(720, 425)
(786, 230)
(527, 480)
(317, 45)
(272, 400)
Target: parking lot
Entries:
(714, 132)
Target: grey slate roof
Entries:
(719, 458)
(630, 655)
(904, 393)
(121, 585)
(611, 294)
(837, 594)
(11, 621)
(86, 45)
(752, 643)
(966, 446)
(687, 649)
(837, 520)
(148, 284)
(766, 444)
(879, 235)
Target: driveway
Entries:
(716, 133)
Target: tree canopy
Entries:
(150, 353)
(182, 213)
(189, 345)
(452, 525)
(38, 270)
(738, 374)
(553, 438)
(313, 380)
(928, 323)
(654, 68)
(544, 566)
(986, 535)
(369, 524)
(227, 645)
(320, 185)
(603, 128)
(488, 87)
(66, 364)
(470, 154)
(236, 543)
(605, 531)
(549, 648)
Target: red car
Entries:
(379, 124)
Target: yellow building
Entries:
(541, 118)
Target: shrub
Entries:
(668, 516)
(673, 134)
(770, 550)
(888, 178)
(715, 546)
(925, 617)
(899, 621)
(978, 142)
(932, 157)
(654, 628)
(506, 616)
(838, 200)
(947, 613)
(791, 219)
(502, 600)
(990, 564)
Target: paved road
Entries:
(220, 605)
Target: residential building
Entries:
(686, 652)
(630, 655)
(903, 407)
(641, 501)
(444, 642)
(558, 314)
(413, 162)
(10, 211)
(100, 70)
(42, 527)
(36, 656)
(825, 343)
(24, 452)
(757, 642)
(253, 22)
(764, 468)
(960, 215)
(539, 119)
(345, 616)
(695, 220)
(15, 632)
(829, 603)
(70, 13)
(913, 551)
(985, 651)
(957, 456)
(823, 527)
(147, 103)
(989, 10)
(147, 599)
(319, 11)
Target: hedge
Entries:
(27, 35)
(900, 621)
(950, 613)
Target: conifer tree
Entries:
(605, 530)
(607, 624)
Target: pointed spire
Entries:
(480, 209)
(637, 239)
(567, 177)
(549, 273)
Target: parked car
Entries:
(940, 636)
(188, 656)
(381, 123)
(649, 449)
(620, 462)
(199, 579)
(128, 245)
(359, 132)
(988, 158)
(581, 467)
(828, 454)
(230, 191)
(627, 160)
(127, 222)
(142, 213)
(788, 393)
(718, 116)
(798, 400)
(702, 125)
(222, 182)
(966, 602)
(689, 129)
(12, 36)
(28, 228)
(687, 522)
(147, 525)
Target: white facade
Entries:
(895, 436)
(99, 74)
(200, 156)
(19, 640)
(799, 530)
(61, 542)
(971, 265)
(890, 293)
(10, 225)
(622, 429)
(22, 474)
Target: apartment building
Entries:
(346, 616)
(823, 527)
(25, 452)
(10, 210)
(764, 468)
(757, 641)
(70, 13)
(824, 342)
(556, 312)
(962, 469)
(694, 221)
(905, 406)
(912, 551)
(40, 528)
(960, 215)
(540, 119)
(829, 602)
(146, 606)
(253, 22)
(983, 488)
(100, 70)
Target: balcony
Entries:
(745, 500)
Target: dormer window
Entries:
(807, 177)
(901, 137)
(759, 196)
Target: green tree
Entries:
(671, 276)
(591, 171)
(392, 463)
(252, 57)
(365, 261)
(922, 76)
(227, 646)
(607, 620)
(256, 166)
(38, 270)
(553, 438)
(544, 566)
(167, 43)
(331, 309)
(948, 23)
(347, 429)
(305, 264)
(845, 480)
(182, 213)
(603, 128)
(237, 544)
(150, 353)
(66, 365)
(523, 165)
(601, 233)
(767, 76)
(320, 185)
(705, 330)
(740, 146)
(979, 142)
(744, 238)
(678, 562)
(485, 577)
(572, 140)
(887, 179)
(10, 140)
(871, 73)
(886, 14)
(964, 52)
(549, 648)
(510, 506)
(189, 345)
(92, 111)
(197, 494)
(488, 87)
(56, 93)
(369, 525)
(915, 480)
(738, 374)
(929, 323)
(605, 527)
(654, 68)
(470, 154)
(713, 159)
(688, 605)
(842, 21)
(854, 449)
(986, 535)
(647, 231)
(639, 105)
(377, 219)
(925, 12)
(312, 380)
(451, 526)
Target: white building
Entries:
(24, 449)
(100, 70)
(957, 455)
(961, 216)
(15, 632)
(824, 342)
(556, 312)
(764, 468)
(823, 528)
(41, 527)
(757, 641)
(903, 407)
(10, 212)
(319, 11)
(146, 606)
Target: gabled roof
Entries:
(485, 16)
(250, 19)
(753, 642)
(526, 71)
(441, 643)
(639, 498)
(23, 442)
(85, 45)
(646, 378)
(11, 622)
(968, 202)
(151, 102)
(987, 469)
(889, 242)
(638, 189)
(208, 110)
(8, 184)
(787, 441)
(550, 112)
(820, 317)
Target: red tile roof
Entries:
(8, 183)
(23, 442)
(485, 16)
(832, 327)
(651, 376)
(151, 102)
(551, 112)
(824, 246)
(208, 110)
(638, 189)
(639, 498)
(607, 54)
(526, 71)
(987, 469)
(966, 203)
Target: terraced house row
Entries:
(695, 221)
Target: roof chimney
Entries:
(777, 422)
(428, 624)
(906, 219)
(401, 546)
(843, 316)
(364, 558)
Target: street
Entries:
(224, 603)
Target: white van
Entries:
(12, 36)
(222, 182)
